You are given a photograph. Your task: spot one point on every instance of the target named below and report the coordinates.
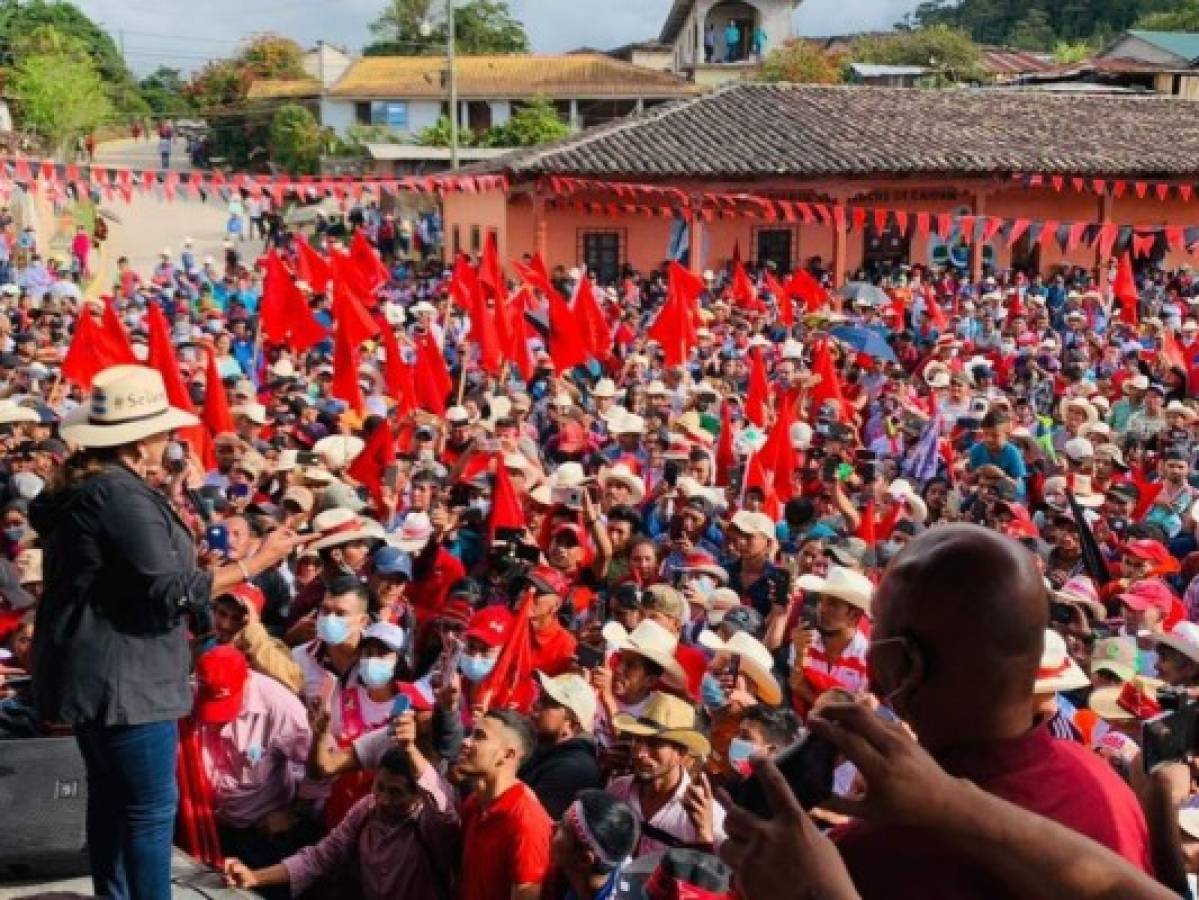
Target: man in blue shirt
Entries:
(732, 42)
(995, 449)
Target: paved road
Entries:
(148, 225)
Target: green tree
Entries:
(950, 51)
(297, 140)
(418, 28)
(164, 92)
(801, 62)
(61, 97)
(536, 122)
(1065, 53)
(1185, 18)
(1033, 32)
(272, 57)
(438, 135)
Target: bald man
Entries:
(959, 622)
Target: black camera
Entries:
(807, 765)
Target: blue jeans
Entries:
(131, 801)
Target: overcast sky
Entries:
(185, 33)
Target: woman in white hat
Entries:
(110, 647)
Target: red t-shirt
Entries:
(505, 845)
(553, 649)
(1060, 780)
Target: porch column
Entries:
(695, 240)
(574, 114)
(978, 207)
(840, 256)
(1106, 204)
(541, 228)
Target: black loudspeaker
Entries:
(43, 796)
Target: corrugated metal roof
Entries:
(1180, 43)
(1004, 61)
(578, 75)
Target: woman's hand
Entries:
(239, 875)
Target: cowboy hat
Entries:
(689, 424)
(572, 692)
(845, 584)
(414, 535)
(703, 563)
(569, 474)
(1057, 671)
(1080, 591)
(1183, 637)
(339, 525)
(1138, 383)
(1079, 403)
(1135, 699)
(339, 450)
(12, 412)
(652, 641)
(756, 661)
(127, 403)
(1177, 406)
(1085, 493)
(622, 474)
(666, 718)
(604, 388)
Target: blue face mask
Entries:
(15, 533)
(711, 693)
(377, 671)
(332, 629)
(740, 750)
(475, 668)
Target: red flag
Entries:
(936, 315)
(782, 297)
(397, 374)
(1124, 289)
(88, 354)
(757, 477)
(491, 273)
(352, 326)
(804, 286)
(778, 454)
(1172, 351)
(464, 284)
(115, 336)
(516, 344)
(506, 508)
(866, 530)
(433, 381)
(284, 313)
(514, 668)
(369, 465)
(596, 333)
(347, 274)
(312, 267)
(829, 386)
(726, 456)
(162, 357)
(755, 396)
(674, 327)
(742, 290)
(566, 345)
(369, 264)
(1148, 493)
(216, 415)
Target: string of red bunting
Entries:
(1117, 187)
(60, 180)
(1107, 237)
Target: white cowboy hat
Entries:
(844, 584)
(604, 388)
(12, 412)
(255, 412)
(414, 535)
(719, 602)
(1177, 406)
(756, 661)
(622, 474)
(629, 423)
(1057, 671)
(338, 450)
(339, 526)
(655, 643)
(1085, 493)
(1088, 410)
(127, 403)
(1183, 637)
(569, 474)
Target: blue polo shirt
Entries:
(1008, 459)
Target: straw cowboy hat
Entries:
(339, 526)
(127, 403)
(569, 474)
(756, 661)
(12, 412)
(1177, 406)
(339, 450)
(1135, 699)
(690, 425)
(604, 388)
(845, 584)
(652, 641)
(1079, 403)
(1080, 591)
(1183, 637)
(622, 474)
(666, 718)
(1057, 671)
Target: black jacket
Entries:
(557, 774)
(110, 645)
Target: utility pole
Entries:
(451, 54)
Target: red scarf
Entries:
(195, 828)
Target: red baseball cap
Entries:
(221, 676)
(547, 579)
(1150, 594)
(248, 595)
(1154, 552)
(490, 626)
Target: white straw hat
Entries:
(127, 403)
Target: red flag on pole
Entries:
(1124, 289)
(506, 509)
(742, 290)
(1172, 351)
(596, 333)
(756, 395)
(312, 267)
(726, 456)
(215, 415)
(369, 465)
(782, 297)
(369, 264)
(566, 345)
(284, 314)
(115, 335)
(516, 344)
(162, 357)
(433, 381)
(350, 278)
(88, 354)
(828, 388)
(397, 374)
(866, 527)
(803, 285)
(514, 668)
(778, 454)
(756, 476)
(352, 326)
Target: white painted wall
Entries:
(501, 112)
(337, 114)
(422, 114)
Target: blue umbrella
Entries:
(865, 340)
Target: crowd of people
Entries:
(892, 597)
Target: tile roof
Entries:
(1180, 43)
(299, 88)
(751, 131)
(579, 75)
